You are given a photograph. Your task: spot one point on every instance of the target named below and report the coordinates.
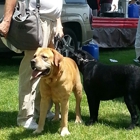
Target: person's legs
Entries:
(102, 9)
(105, 7)
(28, 110)
(27, 91)
(94, 12)
(137, 41)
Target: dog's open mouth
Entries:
(37, 73)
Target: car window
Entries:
(76, 1)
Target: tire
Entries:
(71, 41)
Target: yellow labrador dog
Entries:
(60, 76)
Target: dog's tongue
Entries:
(36, 73)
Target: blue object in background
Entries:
(139, 9)
(93, 49)
(133, 11)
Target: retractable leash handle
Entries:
(56, 41)
(58, 38)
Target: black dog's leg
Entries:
(132, 109)
(93, 109)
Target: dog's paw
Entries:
(132, 126)
(90, 122)
(78, 120)
(37, 131)
(64, 132)
(134, 123)
(56, 118)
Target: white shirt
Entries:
(48, 8)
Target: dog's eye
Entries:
(44, 57)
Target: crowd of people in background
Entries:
(99, 6)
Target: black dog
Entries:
(106, 82)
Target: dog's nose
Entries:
(33, 64)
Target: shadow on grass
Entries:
(9, 67)
(10, 61)
(50, 127)
(112, 121)
(27, 134)
(121, 100)
(8, 119)
(116, 121)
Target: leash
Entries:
(66, 46)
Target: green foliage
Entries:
(113, 115)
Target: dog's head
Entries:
(81, 58)
(44, 61)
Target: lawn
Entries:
(113, 115)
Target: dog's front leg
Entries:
(93, 109)
(64, 117)
(44, 106)
(132, 109)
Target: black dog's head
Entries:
(81, 58)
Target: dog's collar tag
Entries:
(81, 59)
(86, 60)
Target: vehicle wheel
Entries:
(71, 41)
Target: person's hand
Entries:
(59, 31)
(4, 28)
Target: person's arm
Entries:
(59, 28)
(8, 12)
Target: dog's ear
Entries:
(57, 57)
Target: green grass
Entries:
(113, 115)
